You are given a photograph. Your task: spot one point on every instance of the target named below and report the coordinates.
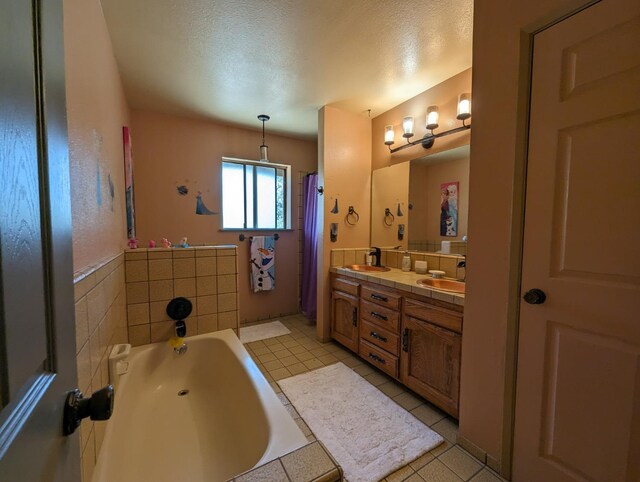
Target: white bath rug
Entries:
(262, 332)
(368, 434)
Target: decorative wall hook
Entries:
(334, 232)
(335, 209)
(320, 190)
(352, 217)
(389, 218)
(399, 213)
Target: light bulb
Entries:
(432, 117)
(464, 106)
(407, 127)
(388, 135)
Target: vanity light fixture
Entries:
(264, 148)
(463, 113)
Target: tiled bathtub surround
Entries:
(206, 275)
(457, 247)
(101, 322)
(393, 259)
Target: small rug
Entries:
(262, 332)
(368, 433)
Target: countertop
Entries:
(402, 280)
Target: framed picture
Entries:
(449, 208)
(128, 183)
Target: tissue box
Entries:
(421, 267)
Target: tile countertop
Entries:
(402, 280)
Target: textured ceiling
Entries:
(232, 60)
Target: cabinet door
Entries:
(344, 319)
(430, 363)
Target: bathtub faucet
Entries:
(181, 331)
(181, 350)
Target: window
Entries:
(255, 195)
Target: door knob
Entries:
(98, 406)
(535, 296)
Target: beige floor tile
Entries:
(273, 365)
(284, 353)
(428, 414)
(342, 354)
(304, 356)
(442, 448)
(280, 373)
(447, 428)
(267, 357)
(362, 370)
(289, 360)
(376, 378)
(283, 399)
(407, 401)
(399, 475)
(486, 475)
(297, 368)
(273, 471)
(290, 343)
(319, 352)
(352, 361)
(436, 471)
(390, 389)
(262, 350)
(328, 359)
(297, 349)
(307, 463)
(421, 461)
(461, 462)
(313, 364)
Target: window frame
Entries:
(287, 193)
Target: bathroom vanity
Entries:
(411, 333)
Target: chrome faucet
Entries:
(181, 350)
(181, 331)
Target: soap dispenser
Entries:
(406, 262)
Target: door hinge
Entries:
(405, 340)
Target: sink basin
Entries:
(364, 267)
(443, 284)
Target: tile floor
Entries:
(299, 352)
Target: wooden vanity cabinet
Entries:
(345, 312)
(380, 327)
(430, 355)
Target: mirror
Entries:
(420, 203)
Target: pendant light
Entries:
(264, 148)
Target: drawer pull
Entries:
(405, 340)
(379, 298)
(354, 317)
(379, 316)
(378, 337)
(377, 358)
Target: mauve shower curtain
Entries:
(309, 246)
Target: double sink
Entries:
(451, 286)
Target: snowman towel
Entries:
(263, 270)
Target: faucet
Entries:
(463, 264)
(376, 253)
(181, 331)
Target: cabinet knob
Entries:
(535, 296)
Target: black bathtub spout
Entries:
(181, 329)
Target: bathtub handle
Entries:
(98, 406)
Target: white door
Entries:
(578, 379)
(37, 339)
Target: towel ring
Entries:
(388, 214)
(352, 215)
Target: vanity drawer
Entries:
(345, 285)
(379, 358)
(380, 337)
(376, 314)
(381, 297)
(433, 314)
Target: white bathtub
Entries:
(230, 421)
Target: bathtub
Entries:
(229, 421)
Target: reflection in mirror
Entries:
(417, 187)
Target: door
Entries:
(430, 363)
(37, 336)
(578, 379)
(344, 319)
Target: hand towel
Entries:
(263, 270)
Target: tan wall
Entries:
(169, 151)
(389, 186)
(445, 96)
(497, 151)
(344, 167)
(96, 111)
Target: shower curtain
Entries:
(309, 246)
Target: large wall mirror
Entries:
(420, 204)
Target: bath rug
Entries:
(262, 332)
(368, 433)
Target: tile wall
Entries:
(457, 247)
(101, 322)
(393, 259)
(206, 275)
